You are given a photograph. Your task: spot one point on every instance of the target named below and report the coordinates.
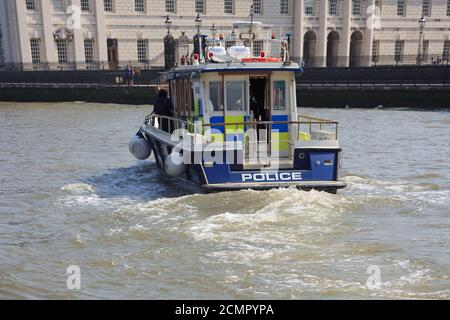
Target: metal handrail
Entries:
(186, 124)
(317, 119)
(266, 123)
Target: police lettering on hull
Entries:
(271, 176)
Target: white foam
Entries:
(78, 188)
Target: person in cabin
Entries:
(163, 106)
(254, 106)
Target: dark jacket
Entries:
(163, 106)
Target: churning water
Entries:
(71, 194)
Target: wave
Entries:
(78, 188)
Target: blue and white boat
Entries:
(236, 125)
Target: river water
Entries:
(71, 194)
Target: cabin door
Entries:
(259, 140)
(280, 138)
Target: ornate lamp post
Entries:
(198, 46)
(214, 31)
(250, 31)
(198, 23)
(169, 46)
(422, 22)
(233, 35)
(168, 24)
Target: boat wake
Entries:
(283, 243)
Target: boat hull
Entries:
(303, 174)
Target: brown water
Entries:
(71, 194)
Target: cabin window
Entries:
(215, 95)
(279, 95)
(235, 95)
(184, 97)
(180, 97)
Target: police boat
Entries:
(236, 124)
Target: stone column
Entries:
(23, 37)
(7, 45)
(344, 49)
(101, 40)
(368, 36)
(321, 57)
(51, 56)
(298, 29)
(78, 39)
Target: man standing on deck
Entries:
(163, 106)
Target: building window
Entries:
(61, 47)
(85, 5)
(375, 50)
(200, 6)
(170, 6)
(356, 7)
(425, 46)
(309, 7)
(257, 6)
(332, 7)
(58, 6)
(446, 50)
(139, 5)
(284, 7)
(398, 51)
(108, 5)
(31, 5)
(378, 4)
(448, 8)
(35, 51)
(229, 43)
(89, 50)
(257, 47)
(228, 6)
(401, 8)
(426, 8)
(142, 46)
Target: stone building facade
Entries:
(80, 34)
